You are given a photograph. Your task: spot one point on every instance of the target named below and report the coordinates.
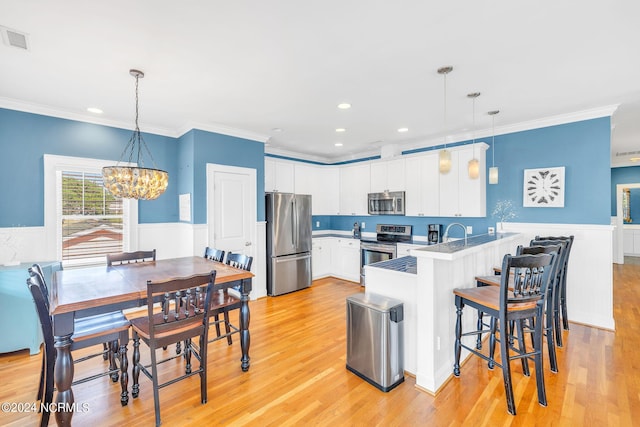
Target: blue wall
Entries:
(26, 137)
(583, 148)
(626, 175)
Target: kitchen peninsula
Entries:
(424, 282)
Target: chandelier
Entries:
(135, 182)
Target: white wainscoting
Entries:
(171, 240)
(590, 274)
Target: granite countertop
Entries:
(405, 264)
(460, 245)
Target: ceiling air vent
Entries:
(627, 153)
(14, 38)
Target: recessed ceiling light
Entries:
(276, 129)
(94, 110)
(635, 159)
(344, 106)
(341, 130)
(338, 144)
(403, 130)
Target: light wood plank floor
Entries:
(298, 377)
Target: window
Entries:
(83, 222)
(92, 218)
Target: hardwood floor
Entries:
(298, 377)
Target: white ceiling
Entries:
(247, 67)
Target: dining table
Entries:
(82, 292)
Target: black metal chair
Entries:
(185, 312)
(88, 332)
(562, 294)
(529, 277)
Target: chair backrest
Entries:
(561, 269)
(185, 306)
(568, 239)
(35, 271)
(239, 261)
(528, 275)
(42, 308)
(130, 257)
(214, 254)
(547, 247)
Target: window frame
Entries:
(53, 167)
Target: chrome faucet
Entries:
(446, 232)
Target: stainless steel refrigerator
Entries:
(288, 242)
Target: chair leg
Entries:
(506, 366)
(479, 327)
(48, 389)
(227, 327)
(458, 343)
(522, 347)
(156, 390)
(548, 332)
(542, 395)
(178, 347)
(492, 342)
(42, 374)
(105, 349)
(216, 318)
(203, 368)
(135, 389)
(556, 318)
(563, 304)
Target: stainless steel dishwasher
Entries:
(375, 339)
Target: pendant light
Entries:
(135, 182)
(493, 170)
(473, 167)
(445, 155)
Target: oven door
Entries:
(371, 253)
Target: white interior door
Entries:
(231, 208)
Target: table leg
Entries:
(245, 339)
(63, 375)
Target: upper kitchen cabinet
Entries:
(422, 185)
(322, 182)
(354, 187)
(278, 176)
(459, 194)
(388, 175)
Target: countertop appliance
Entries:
(434, 234)
(386, 203)
(384, 247)
(356, 230)
(375, 339)
(288, 242)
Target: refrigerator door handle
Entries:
(291, 258)
(295, 230)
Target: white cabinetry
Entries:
(345, 259)
(422, 185)
(388, 175)
(278, 176)
(321, 257)
(322, 182)
(459, 194)
(404, 248)
(631, 240)
(354, 187)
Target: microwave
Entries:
(387, 203)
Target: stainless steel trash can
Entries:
(375, 339)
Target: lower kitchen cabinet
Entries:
(346, 262)
(321, 257)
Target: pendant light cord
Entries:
(445, 111)
(493, 138)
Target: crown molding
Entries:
(45, 110)
(224, 130)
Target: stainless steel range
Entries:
(384, 247)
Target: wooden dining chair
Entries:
(88, 332)
(529, 277)
(185, 312)
(214, 254)
(130, 257)
(226, 300)
(562, 294)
